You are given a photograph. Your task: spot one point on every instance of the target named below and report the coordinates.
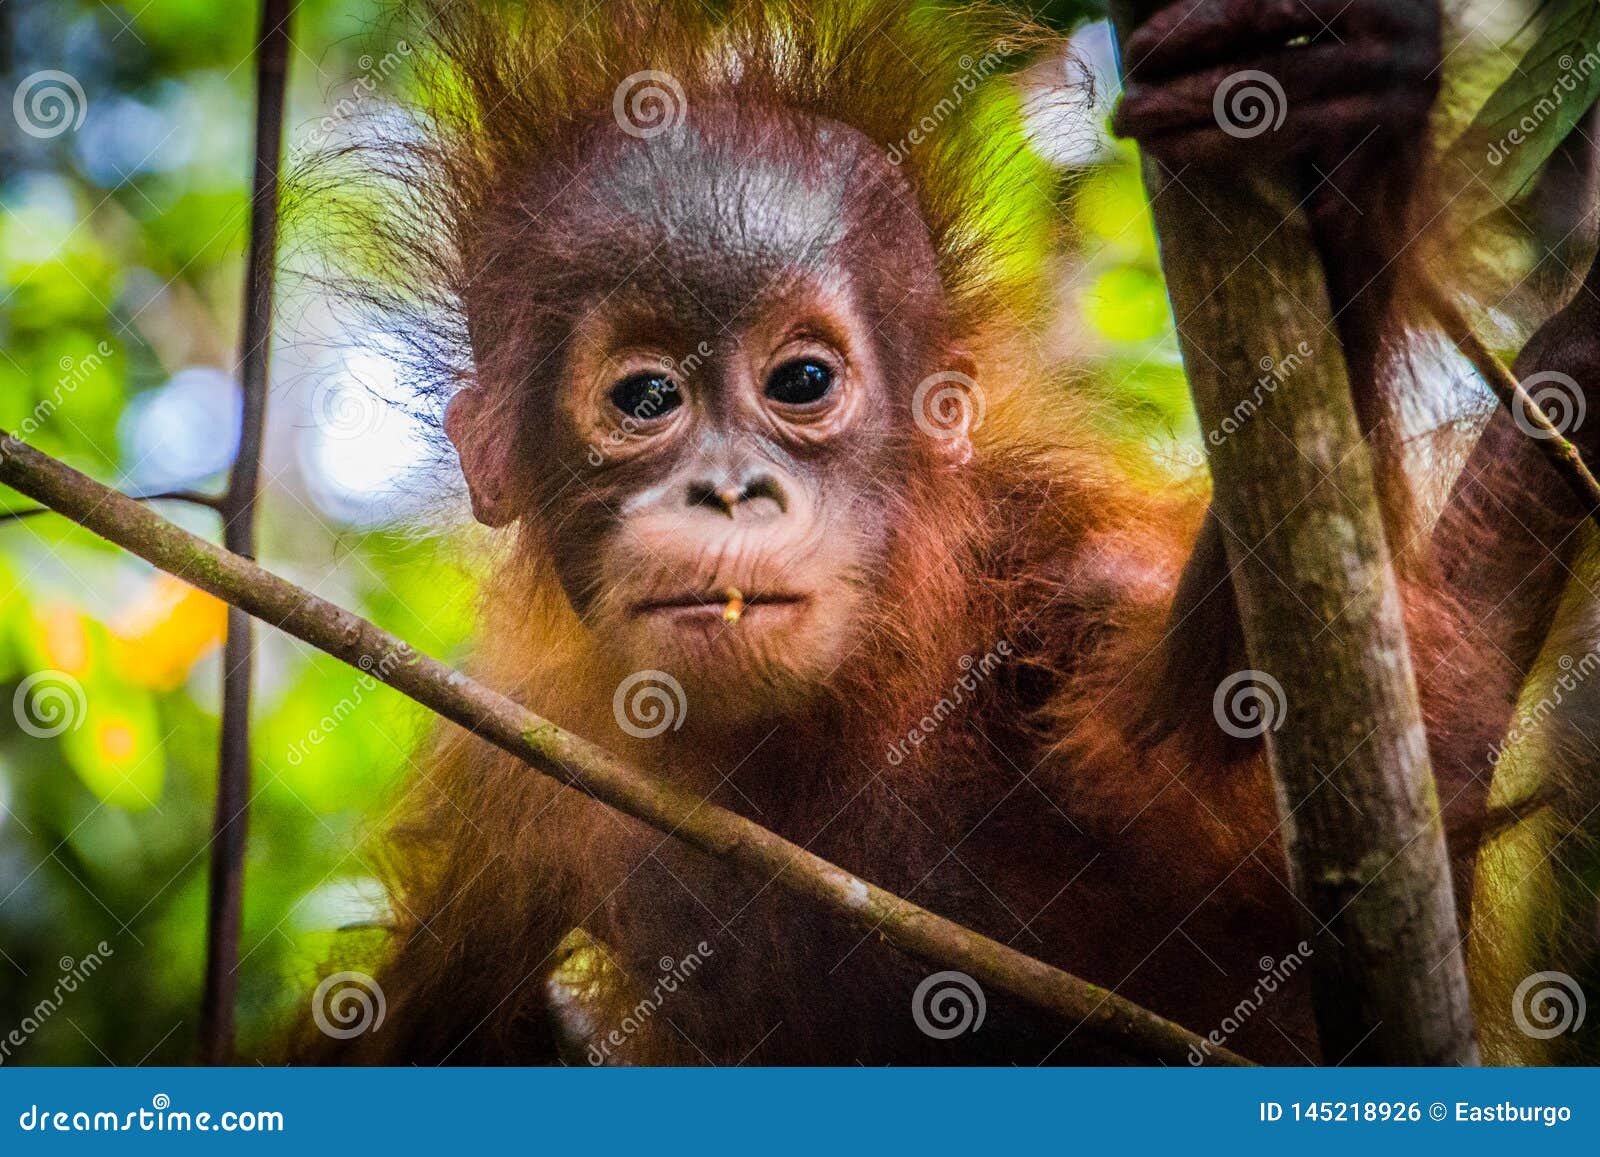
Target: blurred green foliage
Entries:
(121, 261)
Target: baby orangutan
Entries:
(799, 519)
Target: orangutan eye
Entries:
(644, 396)
(800, 382)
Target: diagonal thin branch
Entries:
(1531, 418)
(576, 762)
(193, 497)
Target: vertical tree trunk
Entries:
(1295, 493)
(238, 506)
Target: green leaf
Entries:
(1527, 117)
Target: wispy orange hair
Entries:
(504, 89)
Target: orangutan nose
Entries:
(757, 493)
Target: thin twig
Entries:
(226, 897)
(1529, 416)
(193, 497)
(580, 764)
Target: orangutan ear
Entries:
(949, 406)
(485, 451)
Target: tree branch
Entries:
(1296, 495)
(1530, 417)
(578, 763)
(225, 900)
(193, 497)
